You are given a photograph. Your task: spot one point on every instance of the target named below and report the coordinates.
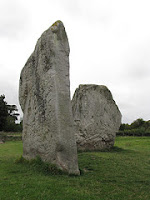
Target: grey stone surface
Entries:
(44, 95)
(97, 117)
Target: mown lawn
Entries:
(121, 174)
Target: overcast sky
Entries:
(109, 42)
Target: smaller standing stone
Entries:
(97, 117)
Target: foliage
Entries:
(137, 128)
(121, 174)
(137, 123)
(3, 112)
(8, 116)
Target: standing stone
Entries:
(97, 117)
(44, 96)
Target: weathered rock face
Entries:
(96, 116)
(44, 96)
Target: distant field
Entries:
(121, 174)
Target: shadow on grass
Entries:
(128, 182)
(41, 167)
(117, 149)
(114, 149)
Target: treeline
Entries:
(138, 128)
(8, 117)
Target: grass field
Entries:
(121, 174)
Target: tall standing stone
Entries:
(44, 96)
(97, 117)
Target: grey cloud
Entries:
(139, 71)
(91, 11)
(137, 62)
(72, 7)
(13, 18)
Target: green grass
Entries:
(120, 174)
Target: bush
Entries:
(138, 128)
(133, 132)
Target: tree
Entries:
(122, 127)
(8, 115)
(139, 127)
(139, 123)
(3, 112)
(12, 109)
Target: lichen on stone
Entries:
(55, 25)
